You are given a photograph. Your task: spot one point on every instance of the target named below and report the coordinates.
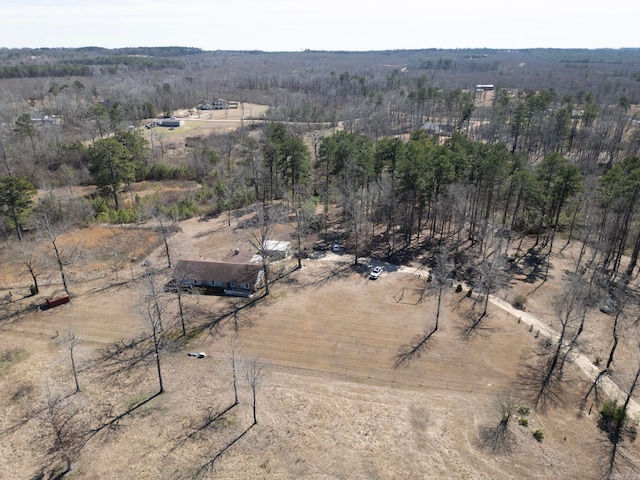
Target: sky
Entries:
(342, 25)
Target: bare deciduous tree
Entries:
(491, 278)
(498, 437)
(31, 258)
(440, 276)
(166, 227)
(254, 373)
(69, 340)
(353, 198)
(52, 232)
(304, 215)
(233, 347)
(65, 427)
(619, 426)
(153, 310)
(180, 284)
(51, 222)
(569, 309)
(261, 229)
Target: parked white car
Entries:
(375, 273)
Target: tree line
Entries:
(392, 192)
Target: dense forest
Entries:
(418, 151)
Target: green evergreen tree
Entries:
(16, 194)
(111, 165)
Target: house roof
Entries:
(432, 127)
(438, 128)
(238, 255)
(218, 271)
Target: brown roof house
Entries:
(230, 278)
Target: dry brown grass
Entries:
(333, 404)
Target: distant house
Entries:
(171, 122)
(484, 88)
(239, 279)
(47, 120)
(219, 104)
(432, 127)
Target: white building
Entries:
(277, 249)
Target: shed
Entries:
(171, 122)
(57, 300)
(277, 249)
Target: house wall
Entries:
(202, 274)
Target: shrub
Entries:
(524, 410)
(205, 193)
(469, 293)
(100, 207)
(538, 435)
(23, 391)
(598, 360)
(8, 358)
(133, 402)
(161, 171)
(458, 288)
(524, 422)
(519, 301)
(612, 412)
(124, 215)
(616, 422)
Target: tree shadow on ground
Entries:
(414, 350)
(333, 272)
(544, 388)
(209, 420)
(122, 356)
(476, 325)
(113, 423)
(232, 314)
(530, 269)
(208, 466)
(498, 439)
(30, 416)
(594, 388)
(407, 254)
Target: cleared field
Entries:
(333, 403)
